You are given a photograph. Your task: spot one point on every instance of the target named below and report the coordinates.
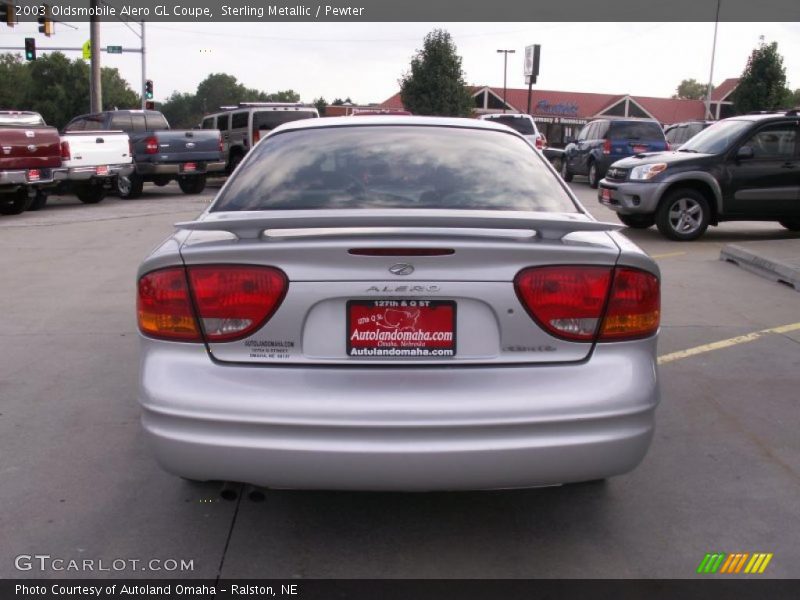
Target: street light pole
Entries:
(505, 72)
(709, 114)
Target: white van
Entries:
(243, 125)
(523, 124)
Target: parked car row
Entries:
(119, 150)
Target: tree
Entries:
(181, 110)
(791, 98)
(762, 85)
(15, 76)
(320, 105)
(435, 84)
(691, 89)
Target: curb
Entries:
(770, 268)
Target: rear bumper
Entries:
(90, 172)
(12, 180)
(630, 197)
(176, 168)
(399, 428)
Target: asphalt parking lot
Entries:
(78, 482)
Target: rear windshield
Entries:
(379, 166)
(636, 130)
(520, 124)
(270, 119)
(21, 120)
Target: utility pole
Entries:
(144, 68)
(711, 74)
(505, 72)
(96, 103)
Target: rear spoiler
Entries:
(252, 224)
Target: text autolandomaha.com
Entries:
(143, 590)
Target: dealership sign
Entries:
(567, 109)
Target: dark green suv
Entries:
(745, 168)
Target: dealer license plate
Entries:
(401, 328)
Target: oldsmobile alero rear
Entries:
(397, 303)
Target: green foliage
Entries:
(320, 104)
(435, 84)
(216, 90)
(762, 85)
(691, 89)
(58, 87)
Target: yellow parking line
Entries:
(667, 255)
(741, 339)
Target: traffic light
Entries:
(8, 13)
(30, 49)
(148, 89)
(45, 22)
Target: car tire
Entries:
(683, 215)
(234, 161)
(90, 194)
(161, 181)
(39, 200)
(566, 174)
(192, 184)
(791, 224)
(130, 186)
(16, 203)
(637, 221)
(593, 175)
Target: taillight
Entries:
(65, 153)
(669, 147)
(221, 146)
(634, 306)
(539, 143)
(607, 147)
(567, 301)
(130, 148)
(151, 145)
(232, 301)
(570, 301)
(164, 307)
(256, 136)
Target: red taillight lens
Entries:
(607, 147)
(221, 146)
(65, 153)
(256, 136)
(539, 143)
(634, 306)
(569, 301)
(130, 148)
(232, 301)
(164, 307)
(151, 145)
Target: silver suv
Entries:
(243, 125)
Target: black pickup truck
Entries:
(745, 168)
(160, 154)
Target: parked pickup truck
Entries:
(91, 160)
(29, 158)
(160, 154)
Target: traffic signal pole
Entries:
(144, 70)
(96, 102)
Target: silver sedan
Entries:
(397, 303)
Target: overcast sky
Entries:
(365, 60)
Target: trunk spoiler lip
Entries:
(252, 224)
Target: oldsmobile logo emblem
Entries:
(401, 269)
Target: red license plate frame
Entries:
(33, 175)
(101, 170)
(639, 148)
(401, 328)
(189, 167)
(605, 194)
